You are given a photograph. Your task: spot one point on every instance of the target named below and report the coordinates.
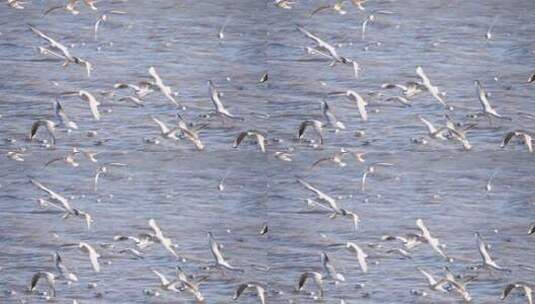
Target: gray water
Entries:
(177, 186)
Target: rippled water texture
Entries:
(177, 185)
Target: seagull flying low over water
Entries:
(166, 242)
(431, 88)
(488, 110)
(315, 124)
(357, 99)
(89, 98)
(220, 109)
(50, 280)
(316, 276)
(488, 262)
(259, 287)
(259, 136)
(432, 241)
(323, 46)
(330, 269)
(371, 169)
(65, 54)
(526, 137)
(103, 18)
(331, 118)
(215, 249)
(526, 288)
(50, 127)
(62, 117)
(158, 82)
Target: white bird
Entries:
(215, 248)
(338, 7)
(50, 280)
(487, 260)
(488, 110)
(165, 284)
(371, 18)
(433, 242)
(103, 18)
(219, 107)
(103, 170)
(431, 282)
(315, 124)
(260, 291)
(16, 4)
(330, 269)
(316, 276)
(488, 34)
(432, 131)
(221, 33)
(336, 158)
(431, 88)
(92, 253)
(333, 205)
(65, 54)
(331, 118)
(63, 270)
(371, 169)
(192, 134)
(526, 287)
(165, 132)
(162, 87)
(259, 136)
(323, 46)
(357, 99)
(62, 117)
(360, 254)
(141, 90)
(89, 98)
(526, 137)
(50, 127)
(410, 89)
(166, 242)
(285, 4)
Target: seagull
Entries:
(360, 254)
(336, 157)
(409, 241)
(285, 4)
(68, 159)
(487, 260)
(141, 90)
(357, 99)
(331, 118)
(221, 35)
(102, 170)
(526, 287)
(65, 205)
(16, 4)
(488, 35)
(215, 248)
(69, 7)
(219, 107)
(63, 270)
(518, 133)
(62, 117)
(260, 290)
(531, 229)
(432, 283)
(488, 110)
(259, 136)
(192, 134)
(323, 46)
(165, 132)
(93, 255)
(370, 19)
(330, 269)
(316, 125)
(89, 98)
(264, 78)
(142, 241)
(358, 4)
(333, 205)
(488, 186)
(15, 155)
(338, 7)
(166, 242)
(66, 55)
(103, 18)
(531, 78)
(162, 87)
(371, 169)
(50, 280)
(431, 130)
(431, 88)
(410, 89)
(433, 242)
(50, 127)
(284, 156)
(165, 284)
(316, 276)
